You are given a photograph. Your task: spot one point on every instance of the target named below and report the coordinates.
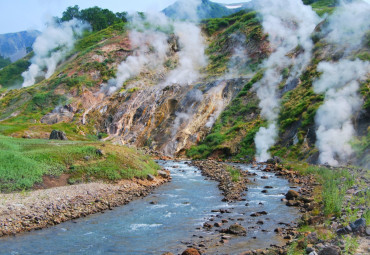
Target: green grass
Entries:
(11, 75)
(234, 173)
(24, 162)
(334, 183)
(234, 131)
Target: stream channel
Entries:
(168, 220)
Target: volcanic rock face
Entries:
(167, 119)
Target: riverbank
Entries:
(33, 210)
(335, 206)
(333, 203)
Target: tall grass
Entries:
(335, 182)
(23, 162)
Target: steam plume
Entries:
(339, 82)
(289, 24)
(348, 25)
(191, 55)
(151, 47)
(333, 119)
(51, 47)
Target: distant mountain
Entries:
(14, 45)
(207, 9)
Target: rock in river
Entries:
(191, 251)
(292, 194)
(237, 229)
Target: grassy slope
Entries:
(233, 133)
(25, 161)
(10, 75)
(31, 103)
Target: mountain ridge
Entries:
(14, 45)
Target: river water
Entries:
(164, 220)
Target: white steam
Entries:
(289, 24)
(149, 46)
(333, 119)
(348, 24)
(149, 38)
(51, 47)
(340, 83)
(191, 55)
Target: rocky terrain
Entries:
(33, 210)
(233, 189)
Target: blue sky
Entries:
(18, 15)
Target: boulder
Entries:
(237, 229)
(291, 194)
(191, 251)
(58, 135)
(150, 177)
(99, 152)
(330, 250)
(163, 174)
(359, 226)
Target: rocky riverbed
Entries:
(232, 190)
(26, 211)
(321, 237)
(248, 221)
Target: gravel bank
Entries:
(26, 211)
(232, 191)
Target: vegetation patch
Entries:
(25, 161)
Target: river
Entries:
(166, 220)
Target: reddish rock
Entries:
(191, 251)
(291, 194)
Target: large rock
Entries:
(191, 251)
(150, 177)
(58, 135)
(163, 174)
(291, 195)
(237, 229)
(359, 226)
(330, 250)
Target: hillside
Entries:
(273, 100)
(211, 108)
(14, 45)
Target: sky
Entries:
(19, 15)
